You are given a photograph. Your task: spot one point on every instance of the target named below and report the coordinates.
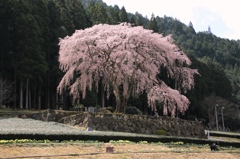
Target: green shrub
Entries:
(79, 107)
(109, 108)
(133, 110)
(162, 132)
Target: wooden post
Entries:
(109, 149)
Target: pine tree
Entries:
(139, 19)
(123, 15)
(113, 15)
(152, 24)
(97, 13)
(77, 14)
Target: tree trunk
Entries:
(118, 98)
(57, 101)
(15, 90)
(124, 105)
(27, 95)
(102, 96)
(63, 104)
(121, 100)
(39, 100)
(34, 97)
(30, 100)
(48, 91)
(145, 109)
(21, 95)
(1, 93)
(211, 118)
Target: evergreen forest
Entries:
(29, 68)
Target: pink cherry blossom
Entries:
(127, 60)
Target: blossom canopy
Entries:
(126, 57)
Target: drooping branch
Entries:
(122, 56)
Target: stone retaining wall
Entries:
(123, 122)
(136, 124)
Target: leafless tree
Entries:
(212, 104)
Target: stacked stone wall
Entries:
(136, 124)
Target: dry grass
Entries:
(227, 139)
(121, 151)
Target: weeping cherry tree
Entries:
(127, 60)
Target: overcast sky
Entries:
(221, 15)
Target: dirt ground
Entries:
(121, 151)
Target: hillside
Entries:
(29, 66)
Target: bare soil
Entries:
(121, 151)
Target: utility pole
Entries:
(216, 116)
(222, 119)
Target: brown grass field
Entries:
(121, 151)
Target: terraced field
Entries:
(123, 149)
